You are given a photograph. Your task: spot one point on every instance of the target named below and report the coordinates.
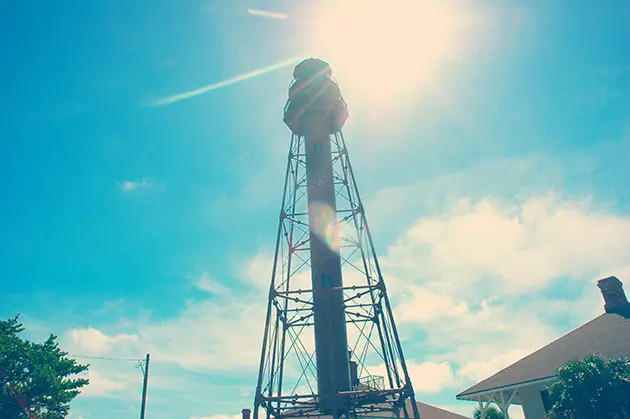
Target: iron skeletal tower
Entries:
(330, 346)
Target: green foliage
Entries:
(491, 413)
(592, 388)
(35, 377)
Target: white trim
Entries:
(474, 396)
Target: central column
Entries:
(331, 340)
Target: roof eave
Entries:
(475, 395)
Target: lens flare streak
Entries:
(324, 224)
(233, 80)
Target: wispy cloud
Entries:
(236, 79)
(207, 335)
(94, 342)
(132, 185)
(102, 385)
(207, 284)
(268, 14)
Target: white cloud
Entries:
(207, 284)
(431, 377)
(94, 342)
(421, 304)
(209, 334)
(521, 177)
(478, 339)
(132, 185)
(454, 276)
(510, 248)
(460, 329)
(215, 334)
(474, 278)
(258, 270)
(426, 377)
(484, 368)
(100, 385)
(212, 334)
(456, 281)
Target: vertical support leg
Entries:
(505, 404)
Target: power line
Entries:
(106, 358)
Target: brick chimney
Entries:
(614, 297)
(246, 413)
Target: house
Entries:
(523, 383)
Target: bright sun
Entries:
(385, 47)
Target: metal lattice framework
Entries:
(287, 382)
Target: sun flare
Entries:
(385, 47)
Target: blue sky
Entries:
(495, 184)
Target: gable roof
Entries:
(426, 411)
(432, 412)
(607, 335)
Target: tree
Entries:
(491, 413)
(35, 378)
(593, 387)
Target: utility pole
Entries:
(145, 383)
